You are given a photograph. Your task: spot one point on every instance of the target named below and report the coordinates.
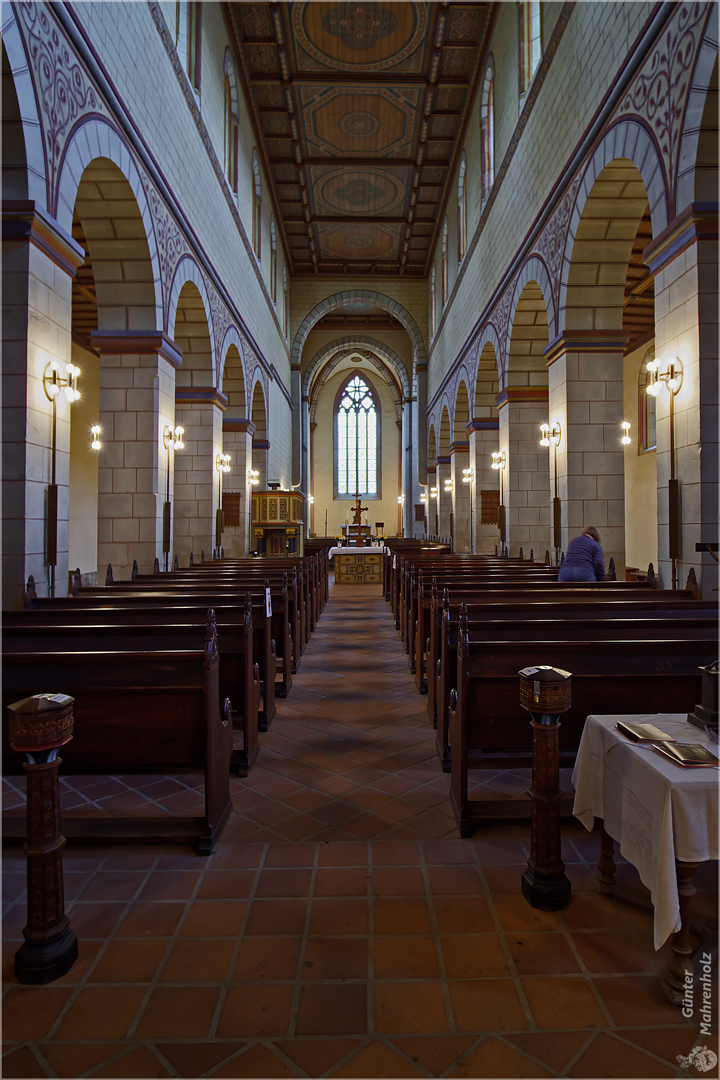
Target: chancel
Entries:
(359, 497)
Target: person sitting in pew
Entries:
(584, 559)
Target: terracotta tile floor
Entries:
(341, 928)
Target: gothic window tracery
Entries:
(356, 440)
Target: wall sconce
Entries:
(625, 440)
(95, 444)
(424, 498)
(553, 435)
(673, 379)
(401, 505)
(53, 383)
(253, 476)
(550, 434)
(222, 465)
(468, 477)
(311, 499)
(172, 440)
(449, 484)
(498, 462)
(433, 493)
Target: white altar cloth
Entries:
(374, 548)
(657, 811)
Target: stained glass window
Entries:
(356, 440)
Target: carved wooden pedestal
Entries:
(39, 726)
(544, 883)
(546, 693)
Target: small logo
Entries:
(702, 1058)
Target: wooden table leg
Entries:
(679, 963)
(606, 862)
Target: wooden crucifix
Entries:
(357, 511)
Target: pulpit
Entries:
(278, 522)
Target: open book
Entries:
(689, 755)
(643, 732)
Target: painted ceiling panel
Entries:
(360, 112)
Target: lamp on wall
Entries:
(499, 462)
(401, 504)
(253, 476)
(424, 501)
(435, 494)
(95, 430)
(468, 478)
(625, 440)
(222, 465)
(53, 383)
(172, 440)
(672, 379)
(552, 435)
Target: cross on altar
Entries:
(357, 511)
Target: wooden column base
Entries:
(37, 963)
(547, 892)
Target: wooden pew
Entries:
(136, 711)
(550, 620)
(487, 603)
(86, 631)
(610, 676)
(209, 592)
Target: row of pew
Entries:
(470, 623)
(171, 673)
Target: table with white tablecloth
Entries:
(360, 547)
(656, 810)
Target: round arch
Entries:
(534, 270)
(36, 175)
(697, 181)
(96, 139)
(360, 342)
(630, 141)
(188, 271)
(344, 299)
(232, 338)
(461, 409)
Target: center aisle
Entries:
(351, 752)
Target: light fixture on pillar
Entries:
(468, 478)
(449, 484)
(424, 501)
(222, 465)
(95, 430)
(435, 494)
(499, 462)
(672, 378)
(552, 435)
(53, 383)
(401, 504)
(172, 440)
(253, 476)
(625, 440)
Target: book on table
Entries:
(689, 755)
(647, 733)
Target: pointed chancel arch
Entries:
(333, 360)
(360, 342)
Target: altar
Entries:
(358, 566)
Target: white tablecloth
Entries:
(656, 810)
(374, 549)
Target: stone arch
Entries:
(432, 443)
(445, 431)
(258, 410)
(361, 342)
(232, 381)
(232, 338)
(34, 184)
(326, 371)
(697, 179)
(189, 282)
(627, 155)
(461, 411)
(486, 381)
(533, 285)
(92, 147)
(353, 296)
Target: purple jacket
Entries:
(584, 551)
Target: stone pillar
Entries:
(585, 381)
(137, 400)
(521, 411)
(483, 442)
(305, 448)
(432, 508)
(39, 261)
(684, 261)
(297, 421)
(461, 494)
(442, 473)
(260, 449)
(408, 486)
(237, 442)
(199, 410)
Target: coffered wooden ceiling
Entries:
(360, 112)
